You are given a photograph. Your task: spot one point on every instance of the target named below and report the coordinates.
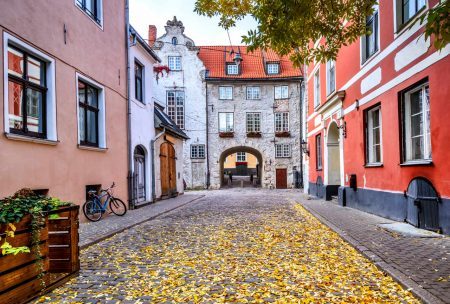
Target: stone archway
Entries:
(333, 158)
(254, 152)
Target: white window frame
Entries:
(174, 63)
(100, 12)
(253, 93)
(227, 116)
(281, 92)
(179, 120)
(101, 110)
(282, 150)
(234, 70)
(319, 158)
(51, 131)
(225, 93)
(241, 157)
(331, 70)
(317, 88)
(281, 122)
(198, 151)
(426, 128)
(273, 68)
(370, 145)
(253, 122)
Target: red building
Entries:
(378, 121)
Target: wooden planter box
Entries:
(19, 281)
(254, 134)
(283, 134)
(226, 134)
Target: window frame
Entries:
(319, 150)
(375, 20)
(317, 88)
(283, 122)
(255, 124)
(273, 64)
(85, 107)
(176, 117)
(242, 159)
(228, 70)
(400, 13)
(97, 15)
(283, 146)
(258, 95)
(368, 136)
(281, 96)
(198, 153)
(330, 89)
(176, 60)
(141, 78)
(226, 97)
(232, 122)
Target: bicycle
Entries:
(94, 209)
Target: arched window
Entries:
(174, 41)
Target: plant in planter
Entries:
(226, 134)
(160, 70)
(283, 134)
(254, 134)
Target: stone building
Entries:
(253, 106)
(182, 91)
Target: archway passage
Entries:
(139, 171)
(334, 161)
(168, 170)
(240, 167)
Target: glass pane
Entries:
(81, 122)
(416, 102)
(376, 136)
(15, 62)
(81, 92)
(427, 118)
(15, 92)
(35, 111)
(377, 153)
(417, 148)
(92, 96)
(35, 71)
(416, 125)
(91, 127)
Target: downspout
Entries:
(301, 134)
(208, 174)
(130, 165)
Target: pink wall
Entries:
(97, 53)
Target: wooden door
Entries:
(164, 168)
(281, 178)
(172, 170)
(139, 169)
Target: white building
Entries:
(182, 92)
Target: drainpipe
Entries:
(127, 46)
(208, 174)
(301, 134)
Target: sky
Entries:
(203, 30)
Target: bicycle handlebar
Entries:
(109, 188)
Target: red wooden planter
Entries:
(254, 134)
(283, 134)
(226, 134)
(19, 281)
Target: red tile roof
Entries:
(252, 65)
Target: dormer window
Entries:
(232, 69)
(273, 68)
(174, 41)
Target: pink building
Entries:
(63, 89)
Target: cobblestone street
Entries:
(230, 246)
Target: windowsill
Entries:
(226, 99)
(423, 162)
(36, 140)
(100, 25)
(373, 165)
(89, 148)
(369, 59)
(319, 170)
(281, 99)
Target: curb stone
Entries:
(417, 290)
(114, 232)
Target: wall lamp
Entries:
(305, 148)
(343, 127)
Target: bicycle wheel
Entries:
(92, 211)
(117, 206)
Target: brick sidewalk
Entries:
(422, 264)
(93, 232)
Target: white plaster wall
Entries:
(266, 144)
(189, 80)
(142, 113)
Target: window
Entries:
(232, 69)
(317, 89)
(373, 136)
(138, 81)
(407, 9)
(319, 152)
(27, 90)
(174, 40)
(370, 42)
(331, 76)
(282, 150)
(282, 122)
(416, 124)
(281, 92)
(253, 122)
(241, 157)
(273, 68)
(226, 93)
(93, 8)
(226, 122)
(253, 93)
(175, 107)
(197, 151)
(88, 114)
(174, 63)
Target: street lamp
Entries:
(305, 148)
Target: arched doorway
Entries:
(139, 174)
(333, 179)
(168, 170)
(250, 172)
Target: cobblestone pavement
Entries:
(92, 232)
(233, 246)
(425, 261)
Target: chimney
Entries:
(151, 34)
